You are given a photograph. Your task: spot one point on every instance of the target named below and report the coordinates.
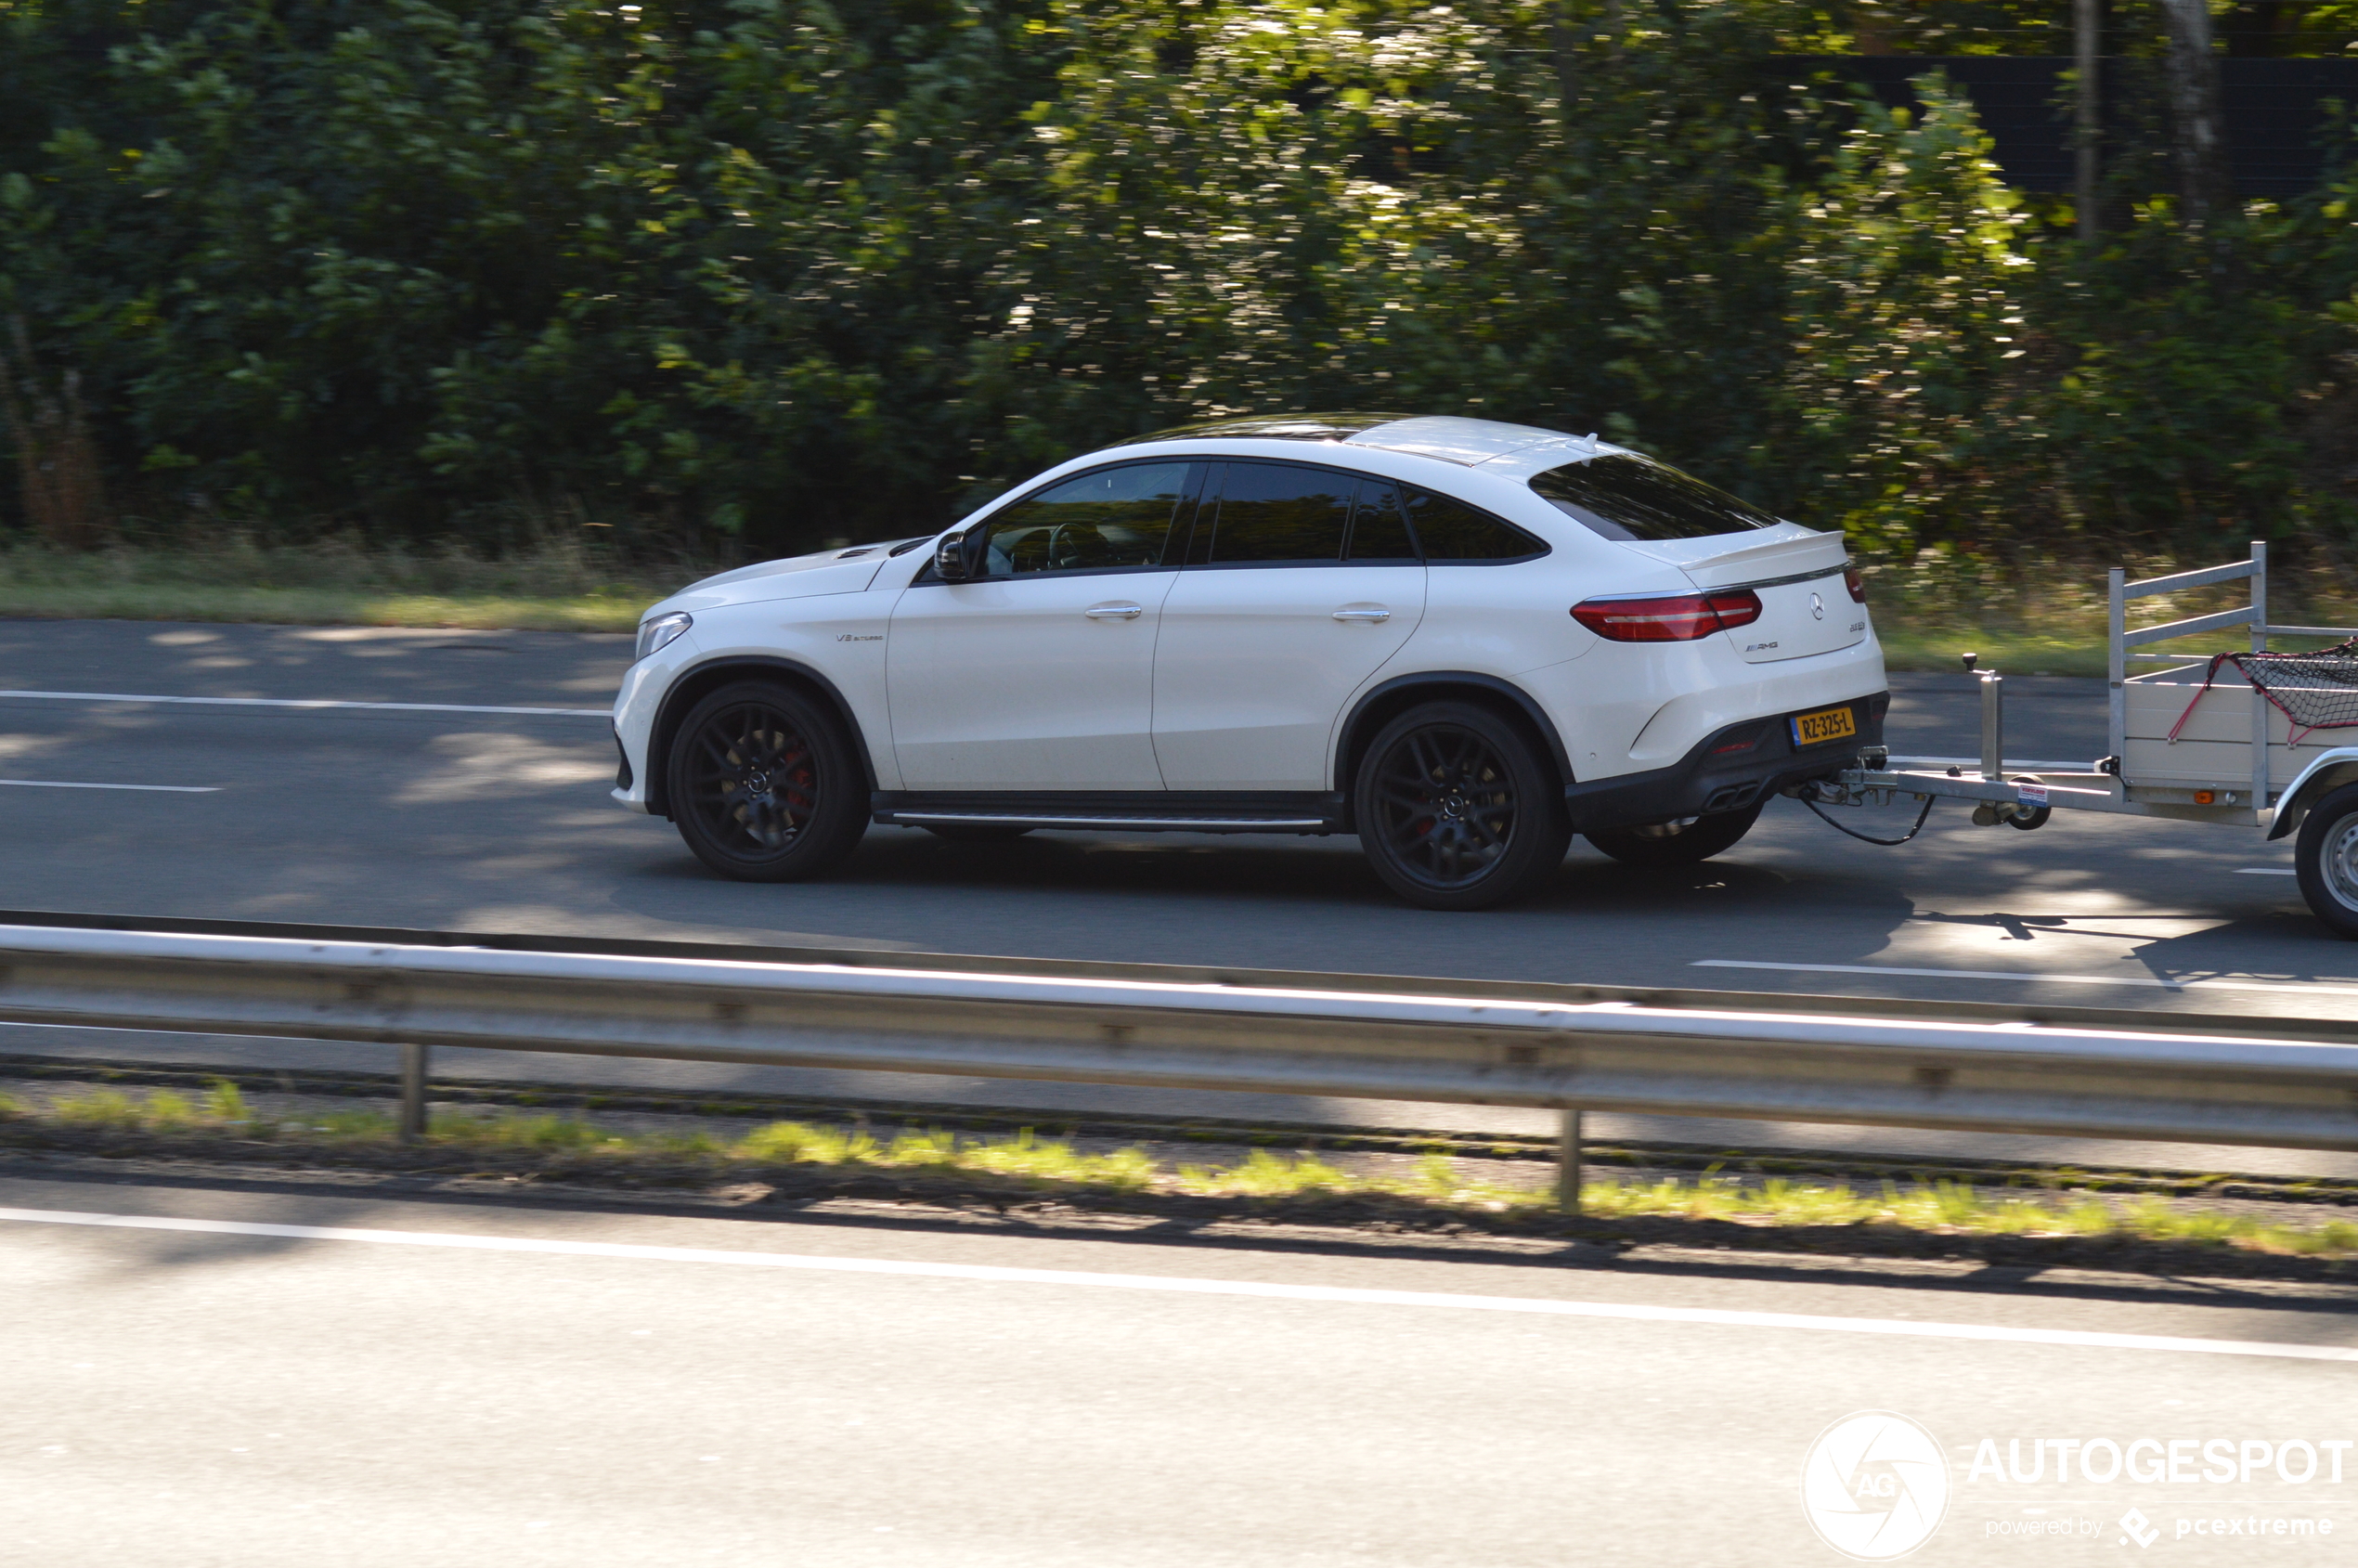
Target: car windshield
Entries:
(1631, 498)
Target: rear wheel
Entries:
(764, 787)
(1456, 809)
(1678, 843)
(2326, 856)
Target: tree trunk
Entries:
(57, 462)
(2205, 189)
(1565, 46)
(2087, 26)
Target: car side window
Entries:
(1270, 512)
(1095, 522)
(1451, 531)
(1379, 526)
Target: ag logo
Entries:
(1875, 1487)
(1817, 607)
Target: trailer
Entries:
(2254, 738)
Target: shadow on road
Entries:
(292, 1200)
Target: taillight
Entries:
(1671, 617)
(1857, 587)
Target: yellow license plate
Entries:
(1816, 728)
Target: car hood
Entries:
(799, 576)
(1726, 560)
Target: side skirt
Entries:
(1122, 810)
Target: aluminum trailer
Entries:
(2196, 742)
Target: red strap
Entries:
(2207, 677)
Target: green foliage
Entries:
(225, 1102)
(100, 1107)
(1903, 306)
(746, 275)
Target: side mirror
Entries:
(950, 558)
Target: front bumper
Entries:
(1729, 769)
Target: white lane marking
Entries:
(160, 789)
(2266, 871)
(1181, 1284)
(307, 702)
(2026, 974)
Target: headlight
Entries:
(658, 633)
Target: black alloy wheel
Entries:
(1456, 809)
(763, 785)
(1676, 843)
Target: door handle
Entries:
(1114, 612)
(1363, 614)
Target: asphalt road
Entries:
(491, 822)
(466, 1383)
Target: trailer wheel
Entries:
(2326, 859)
(2032, 818)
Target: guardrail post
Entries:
(1568, 1161)
(411, 1125)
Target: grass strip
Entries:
(2064, 651)
(1435, 1185)
(2046, 622)
(550, 584)
(327, 607)
(1298, 1136)
(616, 608)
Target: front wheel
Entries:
(1456, 809)
(2325, 857)
(764, 787)
(1678, 843)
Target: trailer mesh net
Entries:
(2315, 691)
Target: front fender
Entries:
(2329, 769)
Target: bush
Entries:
(755, 274)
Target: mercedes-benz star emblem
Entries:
(1817, 607)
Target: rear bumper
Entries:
(1725, 774)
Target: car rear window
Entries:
(1450, 530)
(1630, 498)
(1379, 525)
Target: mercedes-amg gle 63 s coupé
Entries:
(1461, 640)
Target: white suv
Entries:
(1460, 639)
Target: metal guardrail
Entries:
(2331, 1029)
(2134, 1075)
